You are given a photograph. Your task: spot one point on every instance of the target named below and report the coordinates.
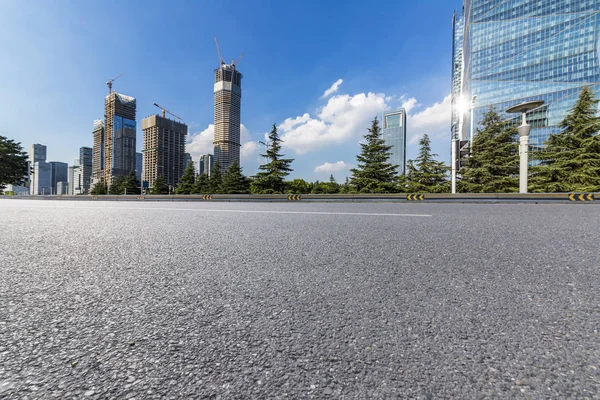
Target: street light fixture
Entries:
(523, 130)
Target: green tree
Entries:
(202, 185)
(570, 161)
(216, 179)
(13, 163)
(374, 173)
(187, 181)
(493, 165)
(297, 186)
(99, 189)
(130, 184)
(272, 175)
(159, 187)
(116, 187)
(425, 173)
(234, 182)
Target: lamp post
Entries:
(523, 130)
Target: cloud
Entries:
(333, 167)
(202, 143)
(344, 118)
(409, 104)
(434, 121)
(333, 88)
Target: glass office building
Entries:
(506, 52)
(394, 134)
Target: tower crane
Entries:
(221, 59)
(110, 82)
(164, 110)
(233, 63)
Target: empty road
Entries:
(298, 300)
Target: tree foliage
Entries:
(13, 163)
(271, 177)
(159, 186)
(570, 160)
(216, 179)
(493, 165)
(99, 189)
(234, 182)
(187, 180)
(374, 173)
(125, 185)
(426, 174)
(202, 185)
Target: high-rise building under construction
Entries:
(114, 146)
(228, 96)
(98, 152)
(164, 149)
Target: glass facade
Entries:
(394, 134)
(511, 51)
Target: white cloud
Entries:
(202, 143)
(434, 121)
(333, 167)
(409, 104)
(344, 118)
(333, 88)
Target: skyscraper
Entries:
(119, 139)
(206, 164)
(506, 52)
(139, 165)
(98, 152)
(164, 149)
(42, 178)
(58, 173)
(37, 152)
(228, 97)
(394, 134)
(86, 166)
(187, 159)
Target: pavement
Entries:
(293, 300)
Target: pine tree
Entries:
(117, 186)
(570, 161)
(202, 185)
(234, 182)
(99, 189)
(374, 173)
(130, 184)
(187, 181)
(159, 187)
(13, 163)
(493, 165)
(216, 179)
(272, 175)
(425, 173)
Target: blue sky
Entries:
(58, 55)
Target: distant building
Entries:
(59, 173)
(37, 152)
(164, 149)
(98, 152)
(78, 179)
(17, 190)
(187, 159)
(206, 164)
(62, 188)
(118, 149)
(139, 166)
(228, 99)
(71, 178)
(394, 134)
(86, 165)
(42, 178)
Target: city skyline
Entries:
(333, 101)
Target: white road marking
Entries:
(228, 210)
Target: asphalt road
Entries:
(295, 300)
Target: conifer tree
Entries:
(216, 179)
(493, 165)
(99, 189)
(130, 184)
(570, 161)
(272, 175)
(202, 185)
(234, 182)
(425, 173)
(159, 186)
(374, 173)
(187, 180)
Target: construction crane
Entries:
(164, 110)
(233, 63)
(110, 81)
(221, 59)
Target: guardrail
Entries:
(374, 197)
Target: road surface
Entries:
(295, 300)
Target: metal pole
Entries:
(472, 123)
(523, 153)
(454, 161)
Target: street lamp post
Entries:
(523, 130)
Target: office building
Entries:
(187, 159)
(78, 180)
(116, 148)
(394, 134)
(228, 97)
(37, 152)
(42, 179)
(62, 188)
(139, 166)
(505, 52)
(164, 149)
(59, 173)
(97, 152)
(86, 162)
(71, 177)
(206, 163)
